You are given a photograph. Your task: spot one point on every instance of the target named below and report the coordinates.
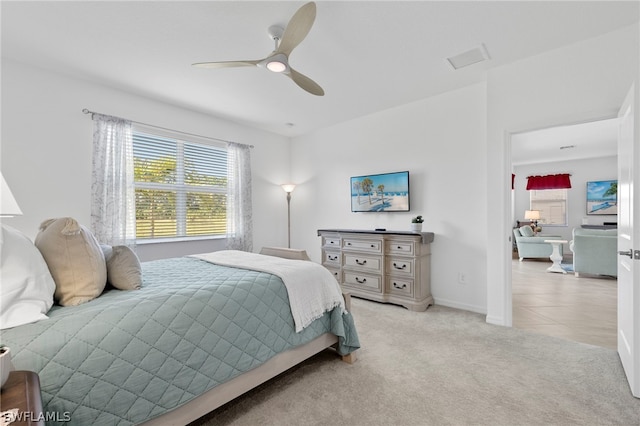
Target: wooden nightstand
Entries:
(22, 391)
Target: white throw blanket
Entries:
(311, 288)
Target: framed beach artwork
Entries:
(385, 192)
(602, 197)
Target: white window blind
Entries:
(552, 204)
(180, 187)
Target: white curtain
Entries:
(113, 219)
(239, 213)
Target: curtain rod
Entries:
(86, 111)
(569, 174)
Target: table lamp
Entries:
(8, 205)
(533, 216)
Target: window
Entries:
(180, 187)
(552, 204)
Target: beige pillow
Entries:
(124, 271)
(75, 260)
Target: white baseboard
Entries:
(495, 320)
(458, 305)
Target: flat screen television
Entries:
(602, 197)
(385, 192)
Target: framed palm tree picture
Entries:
(602, 197)
(384, 192)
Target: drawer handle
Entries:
(361, 281)
(335, 274)
(399, 247)
(373, 246)
(333, 257)
(395, 285)
(364, 262)
(348, 244)
(331, 242)
(404, 265)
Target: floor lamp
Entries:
(288, 188)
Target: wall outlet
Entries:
(462, 277)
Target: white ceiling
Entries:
(562, 143)
(367, 55)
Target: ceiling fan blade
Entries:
(305, 82)
(226, 64)
(297, 28)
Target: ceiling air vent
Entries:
(469, 57)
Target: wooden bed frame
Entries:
(221, 394)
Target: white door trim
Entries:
(504, 290)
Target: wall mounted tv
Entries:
(602, 197)
(386, 192)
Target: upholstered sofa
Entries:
(595, 251)
(533, 246)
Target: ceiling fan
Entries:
(286, 40)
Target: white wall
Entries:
(456, 146)
(582, 171)
(47, 148)
(587, 80)
(441, 141)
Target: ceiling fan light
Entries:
(276, 66)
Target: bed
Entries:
(196, 335)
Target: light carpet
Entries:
(443, 367)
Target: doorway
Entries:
(584, 308)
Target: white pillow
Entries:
(26, 285)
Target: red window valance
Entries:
(549, 182)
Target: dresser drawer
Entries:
(400, 266)
(335, 272)
(331, 258)
(399, 286)
(362, 281)
(363, 262)
(401, 247)
(373, 246)
(331, 241)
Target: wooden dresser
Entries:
(386, 266)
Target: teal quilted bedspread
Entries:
(129, 356)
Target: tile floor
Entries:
(580, 309)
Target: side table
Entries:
(22, 391)
(556, 257)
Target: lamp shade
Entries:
(8, 205)
(289, 187)
(532, 214)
